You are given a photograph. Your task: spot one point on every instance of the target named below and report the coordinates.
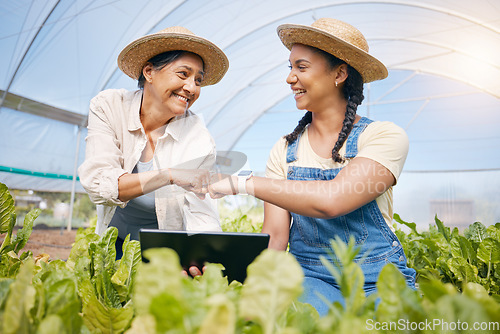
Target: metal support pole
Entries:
(73, 184)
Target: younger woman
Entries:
(333, 175)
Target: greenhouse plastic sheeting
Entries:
(443, 86)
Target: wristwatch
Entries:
(243, 176)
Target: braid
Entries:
(353, 92)
(291, 137)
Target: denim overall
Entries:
(310, 237)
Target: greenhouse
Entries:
(442, 89)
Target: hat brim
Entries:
(369, 67)
(135, 55)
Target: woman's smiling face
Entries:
(177, 85)
(311, 78)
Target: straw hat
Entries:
(135, 55)
(339, 39)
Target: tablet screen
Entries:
(234, 250)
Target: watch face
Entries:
(245, 173)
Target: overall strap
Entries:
(352, 140)
(291, 151)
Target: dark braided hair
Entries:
(353, 93)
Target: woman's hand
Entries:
(194, 180)
(136, 184)
(194, 271)
(222, 185)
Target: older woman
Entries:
(147, 154)
(333, 175)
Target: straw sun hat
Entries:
(135, 55)
(339, 39)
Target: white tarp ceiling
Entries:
(443, 85)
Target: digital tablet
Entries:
(234, 250)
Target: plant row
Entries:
(91, 292)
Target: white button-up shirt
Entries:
(114, 145)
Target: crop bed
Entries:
(55, 242)
(91, 292)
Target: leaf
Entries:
(494, 231)
(489, 251)
(85, 290)
(100, 318)
(163, 274)
(412, 226)
(351, 279)
(397, 299)
(303, 317)
(143, 324)
(51, 324)
(6, 244)
(81, 249)
(61, 298)
(9, 265)
(353, 324)
(434, 289)
(438, 243)
(123, 278)
(443, 265)
(108, 253)
(4, 290)
(461, 247)
(7, 209)
(24, 234)
(20, 301)
(478, 293)
(221, 317)
(274, 280)
(105, 291)
(83, 232)
(455, 309)
(170, 313)
(462, 270)
(476, 232)
(445, 231)
(213, 281)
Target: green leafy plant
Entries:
(10, 261)
(445, 254)
(93, 293)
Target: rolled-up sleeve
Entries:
(103, 163)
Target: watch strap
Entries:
(242, 185)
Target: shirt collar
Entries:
(134, 120)
(174, 128)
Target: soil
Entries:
(55, 242)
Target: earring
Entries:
(336, 84)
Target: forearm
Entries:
(308, 198)
(277, 225)
(278, 239)
(137, 184)
(356, 185)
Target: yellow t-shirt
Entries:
(383, 142)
